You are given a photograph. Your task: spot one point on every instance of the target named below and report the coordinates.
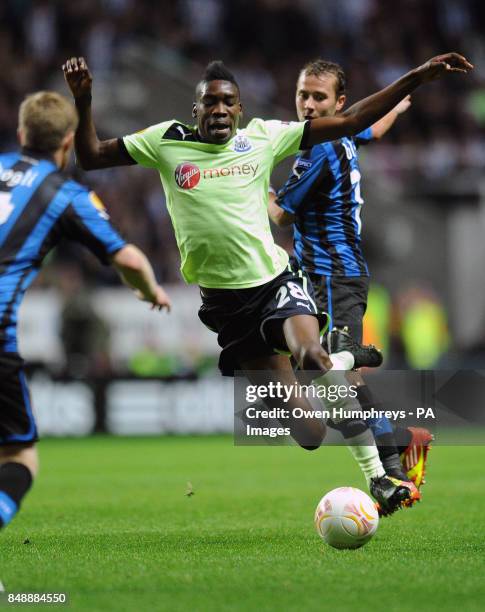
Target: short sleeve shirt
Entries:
(217, 197)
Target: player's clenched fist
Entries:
(78, 77)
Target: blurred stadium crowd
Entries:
(264, 42)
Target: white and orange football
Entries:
(346, 518)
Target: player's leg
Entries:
(310, 432)
(330, 298)
(381, 426)
(18, 435)
(346, 299)
(249, 323)
(301, 334)
(18, 467)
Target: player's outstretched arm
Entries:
(91, 152)
(381, 127)
(137, 273)
(369, 110)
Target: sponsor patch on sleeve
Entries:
(98, 204)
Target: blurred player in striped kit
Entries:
(39, 206)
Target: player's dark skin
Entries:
(217, 110)
(301, 333)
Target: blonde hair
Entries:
(45, 118)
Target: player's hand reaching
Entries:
(78, 77)
(438, 66)
(159, 299)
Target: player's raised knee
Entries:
(313, 435)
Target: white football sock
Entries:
(342, 361)
(364, 450)
(335, 377)
(362, 446)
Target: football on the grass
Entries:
(346, 518)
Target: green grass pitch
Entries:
(110, 523)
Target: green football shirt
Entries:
(217, 197)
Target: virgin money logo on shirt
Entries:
(187, 175)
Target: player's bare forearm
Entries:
(279, 216)
(379, 128)
(91, 152)
(369, 110)
(382, 126)
(137, 273)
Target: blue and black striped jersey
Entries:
(323, 192)
(39, 205)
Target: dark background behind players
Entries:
(135, 47)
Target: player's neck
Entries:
(59, 158)
(56, 157)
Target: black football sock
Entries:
(15, 481)
(349, 428)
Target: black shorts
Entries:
(344, 298)
(240, 316)
(17, 423)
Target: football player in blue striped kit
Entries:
(39, 206)
(322, 198)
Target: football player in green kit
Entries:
(216, 180)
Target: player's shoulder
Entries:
(179, 131)
(174, 130)
(78, 193)
(71, 187)
(259, 129)
(263, 126)
(330, 148)
(171, 129)
(83, 198)
(8, 158)
(256, 124)
(319, 152)
(274, 128)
